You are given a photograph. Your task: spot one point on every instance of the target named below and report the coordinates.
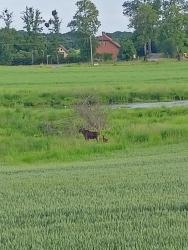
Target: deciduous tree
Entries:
(7, 17)
(54, 24)
(173, 25)
(32, 20)
(144, 22)
(85, 20)
(86, 23)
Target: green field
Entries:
(63, 85)
(38, 124)
(59, 192)
(134, 200)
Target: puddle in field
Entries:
(150, 105)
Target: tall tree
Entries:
(85, 20)
(54, 24)
(32, 20)
(127, 51)
(33, 24)
(143, 17)
(7, 17)
(173, 22)
(7, 38)
(86, 23)
(131, 6)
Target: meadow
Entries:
(39, 125)
(58, 86)
(58, 191)
(30, 135)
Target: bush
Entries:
(169, 47)
(22, 58)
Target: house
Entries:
(63, 51)
(107, 46)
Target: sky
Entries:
(111, 16)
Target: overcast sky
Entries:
(111, 16)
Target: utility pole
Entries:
(32, 55)
(47, 59)
(42, 56)
(91, 48)
(57, 58)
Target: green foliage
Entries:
(85, 21)
(119, 35)
(32, 20)
(144, 21)
(7, 37)
(173, 25)
(127, 51)
(22, 58)
(73, 56)
(168, 46)
(54, 24)
(84, 45)
(7, 18)
(104, 57)
(156, 21)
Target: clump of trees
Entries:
(158, 23)
(33, 46)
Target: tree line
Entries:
(156, 26)
(159, 26)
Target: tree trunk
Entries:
(149, 46)
(178, 54)
(145, 52)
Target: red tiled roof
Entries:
(104, 38)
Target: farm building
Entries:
(63, 51)
(107, 46)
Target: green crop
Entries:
(134, 200)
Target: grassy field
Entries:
(134, 200)
(59, 192)
(38, 125)
(30, 135)
(121, 83)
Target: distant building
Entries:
(107, 46)
(63, 51)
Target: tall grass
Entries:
(43, 135)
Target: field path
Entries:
(146, 105)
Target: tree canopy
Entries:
(158, 21)
(85, 21)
